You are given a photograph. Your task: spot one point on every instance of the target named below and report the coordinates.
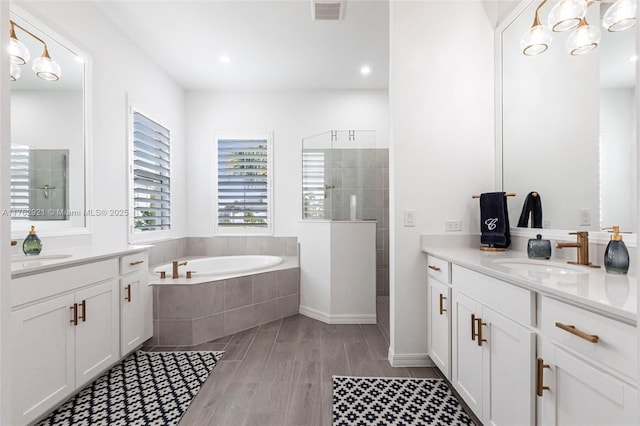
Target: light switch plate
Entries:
(410, 218)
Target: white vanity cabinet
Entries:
(66, 328)
(586, 367)
(439, 318)
(136, 302)
(493, 348)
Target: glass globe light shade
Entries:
(584, 39)
(536, 40)
(620, 16)
(566, 14)
(15, 71)
(18, 52)
(46, 68)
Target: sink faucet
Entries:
(176, 264)
(14, 243)
(582, 244)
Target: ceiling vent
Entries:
(327, 10)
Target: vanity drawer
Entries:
(616, 345)
(439, 269)
(133, 263)
(505, 298)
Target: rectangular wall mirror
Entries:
(566, 124)
(48, 132)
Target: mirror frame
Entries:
(19, 229)
(598, 237)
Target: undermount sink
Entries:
(542, 266)
(38, 257)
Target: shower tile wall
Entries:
(365, 174)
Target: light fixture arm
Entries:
(13, 34)
(536, 19)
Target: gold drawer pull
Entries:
(435, 268)
(573, 330)
(128, 296)
(74, 309)
(442, 309)
(137, 262)
(479, 334)
(473, 327)
(83, 304)
(540, 387)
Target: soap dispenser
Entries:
(32, 244)
(616, 255)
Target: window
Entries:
(314, 189)
(150, 176)
(243, 190)
(19, 181)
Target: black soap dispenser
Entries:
(616, 255)
(32, 244)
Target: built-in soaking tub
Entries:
(226, 294)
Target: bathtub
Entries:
(222, 265)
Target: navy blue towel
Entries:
(532, 206)
(494, 219)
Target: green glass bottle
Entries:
(32, 244)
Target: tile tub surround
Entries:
(198, 313)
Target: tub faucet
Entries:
(176, 264)
(582, 244)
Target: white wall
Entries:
(441, 144)
(291, 116)
(118, 69)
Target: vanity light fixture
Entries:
(568, 14)
(620, 16)
(44, 67)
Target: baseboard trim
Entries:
(409, 360)
(338, 318)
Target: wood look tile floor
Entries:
(281, 373)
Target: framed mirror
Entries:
(566, 124)
(48, 131)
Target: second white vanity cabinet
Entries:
(136, 302)
(493, 353)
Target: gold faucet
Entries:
(14, 243)
(176, 264)
(582, 244)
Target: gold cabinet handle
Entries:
(573, 330)
(442, 309)
(479, 333)
(435, 268)
(128, 296)
(473, 327)
(138, 262)
(540, 387)
(74, 309)
(83, 305)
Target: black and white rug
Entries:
(146, 388)
(395, 401)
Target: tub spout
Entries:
(177, 264)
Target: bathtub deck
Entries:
(280, 373)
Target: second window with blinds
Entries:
(243, 184)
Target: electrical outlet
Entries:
(409, 218)
(585, 217)
(546, 224)
(452, 225)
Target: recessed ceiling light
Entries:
(225, 59)
(365, 70)
(633, 58)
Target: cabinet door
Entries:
(97, 332)
(43, 351)
(466, 360)
(131, 312)
(439, 329)
(581, 394)
(509, 371)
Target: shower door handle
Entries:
(325, 189)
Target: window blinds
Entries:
(243, 183)
(19, 181)
(313, 184)
(151, 175)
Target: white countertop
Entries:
(50, 260)
(609, 294)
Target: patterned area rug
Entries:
(395, 401)
(146, 388)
